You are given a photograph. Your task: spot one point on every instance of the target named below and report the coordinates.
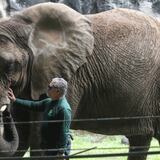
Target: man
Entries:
(55, 108)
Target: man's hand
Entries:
(11, 95)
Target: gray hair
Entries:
(61, 84)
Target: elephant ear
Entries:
(61, 41)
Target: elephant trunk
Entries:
(9, 139)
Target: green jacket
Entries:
(54, 135)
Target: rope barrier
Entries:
(84, 120)
(85, 156)
(86, 149)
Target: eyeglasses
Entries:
(50, 87)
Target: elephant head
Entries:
(39, 43)
(8, 74)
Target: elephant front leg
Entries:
(139, 143)
(35, 135)
(21, 115)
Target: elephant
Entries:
(110, 60)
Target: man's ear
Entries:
(59, 92)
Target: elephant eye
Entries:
(8, 68)
(4, 39)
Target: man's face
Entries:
(53, 92)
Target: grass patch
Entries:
(84, 140)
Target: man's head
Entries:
(57, 88)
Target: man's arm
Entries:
(32, 105)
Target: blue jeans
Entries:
(68, 148)
(54, 153)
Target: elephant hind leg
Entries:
(139, 143)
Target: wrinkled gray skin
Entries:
(110, 60)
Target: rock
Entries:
(27, 3)
(96, 6)
(87, 6)
(156, 6)
(124, 140)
